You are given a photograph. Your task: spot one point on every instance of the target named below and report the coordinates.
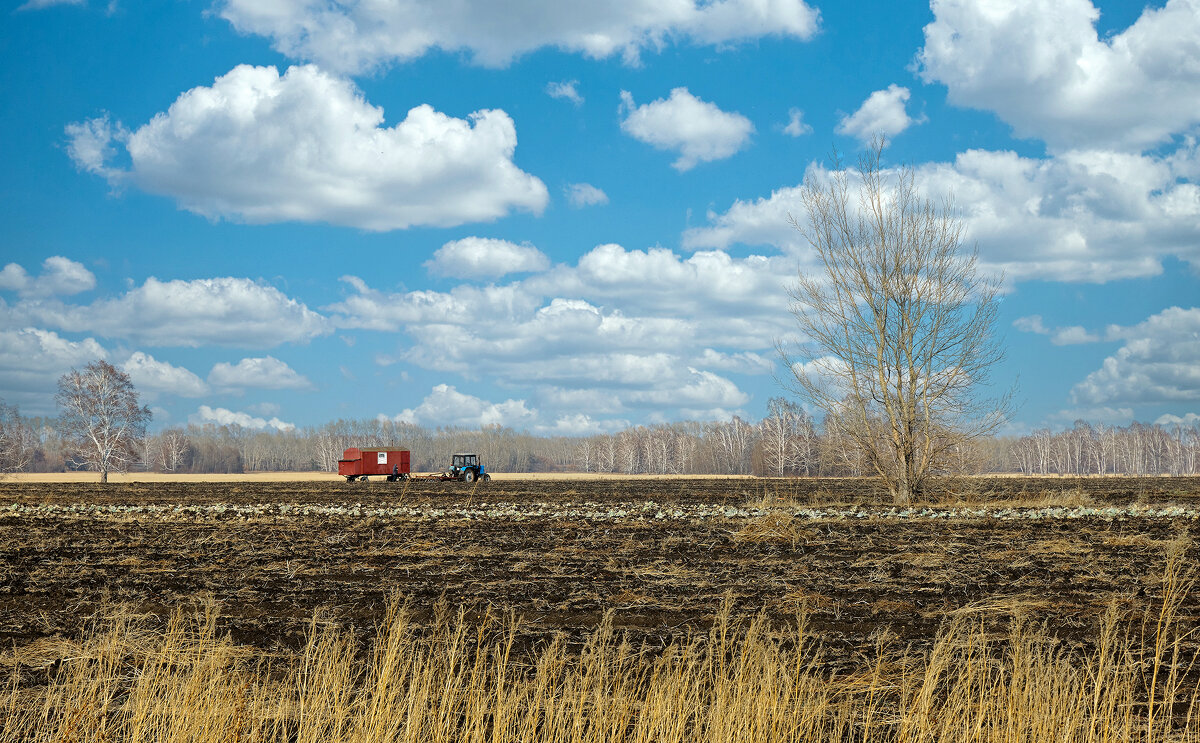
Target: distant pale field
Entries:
(86, 477)
(115, 477)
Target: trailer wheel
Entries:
(469, 476)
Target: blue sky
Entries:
(572, 217)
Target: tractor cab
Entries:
(466, 467)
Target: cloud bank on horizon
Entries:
(570, 217)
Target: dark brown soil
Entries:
(860, 579)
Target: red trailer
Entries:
(359, 463)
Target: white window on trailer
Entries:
(382, 457)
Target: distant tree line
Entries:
(19, 443)
(786, 442)
(1086, 449)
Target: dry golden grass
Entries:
(461, 681)
(608, 476)
(1144, 541)
(1059, 547)
(777, 527)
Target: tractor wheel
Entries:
(469, 476)
(487, 477)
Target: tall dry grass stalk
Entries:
(743, 680)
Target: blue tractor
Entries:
(466, 468)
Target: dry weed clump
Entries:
(975, 492)
(743, 680)
(1073, 498)
(778, 527)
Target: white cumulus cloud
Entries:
(1092, 216)
(1189, 420)
(568, 90)
(485, 258)
(90, 144)
(698, 130)
(59, 276)
(39, 4)
(306, 146)
(1159, 363)
(31, 360)
(882, 112)
(579, 424)
(151, 375)
(580, 195)
(1073, 335)
(702, 395)
(446, 406)
(224, 311)
(1031, 324)
(359, 35)
(225, 417)
(709, 285)
(747, 362)
(268, 373)
(1062, 336)
(617, 331)
(796, 126)
(1040, 65)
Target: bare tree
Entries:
(1191, 453)
(733, 441)
(101, 418)
(628, 451)
(685, 448)
(583, 455)
(18, 442)
(897, 324)
(174, 446)
(606, 454)
(839, 455)
(783, 435)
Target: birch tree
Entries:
(100, 418)
(583, 455)
(896, 322)
(786, 436)
(17, 440)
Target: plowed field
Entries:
(663, 553)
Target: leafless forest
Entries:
(786, 442)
